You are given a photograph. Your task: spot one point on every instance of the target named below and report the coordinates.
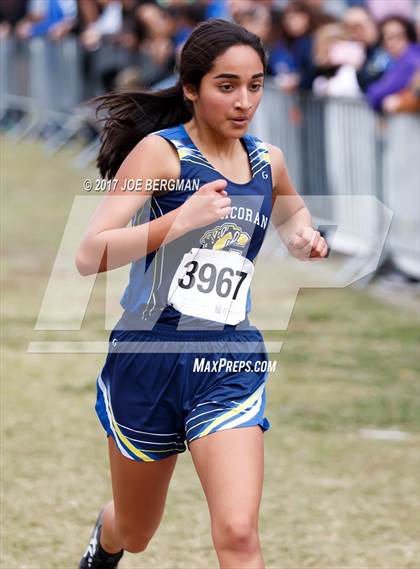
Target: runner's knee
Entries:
(237, 534)
(133, 541)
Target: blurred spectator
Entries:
(416, 18)
(159, 28)
(256, 19)
(407, 101)
(11, 12)
(217, 9)
(398, 37)
(336, 59)
(381, 9)
(165, 32)
(361, 28)
(136, 42)
(334, 8)
(185, 18)
(235, 7)
(110, 19)
(298, 22)
(51, 18)
(131, 30)
(105, 18)
(162, 33)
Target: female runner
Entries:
(194, 367)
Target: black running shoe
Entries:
(95, 557)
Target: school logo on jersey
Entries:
(225, 237)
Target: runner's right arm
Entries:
(108, 243)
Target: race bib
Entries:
(212, 285)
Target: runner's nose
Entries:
(243, 101)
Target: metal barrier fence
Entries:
(333, 147)
(402, 191)
(40, 78)
(337, 149)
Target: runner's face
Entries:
(230, 93)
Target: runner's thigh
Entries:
(230, 465)
(139, 490)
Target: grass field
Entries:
(332, 499)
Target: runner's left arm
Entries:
(290, 215)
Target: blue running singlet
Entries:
(242, 232)
(183, 360)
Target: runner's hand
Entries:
(208, 204)
(307, 245)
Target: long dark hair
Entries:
(409, 27)
(132, 115)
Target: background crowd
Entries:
(340, 48)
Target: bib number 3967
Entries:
(212, 285)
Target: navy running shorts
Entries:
(163, 387)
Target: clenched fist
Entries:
(208, 204)
(307, 245)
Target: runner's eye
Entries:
(256, 87)
(226, 87)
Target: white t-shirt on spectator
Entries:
(343, 84)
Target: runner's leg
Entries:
(139, 492)
(230, 465)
